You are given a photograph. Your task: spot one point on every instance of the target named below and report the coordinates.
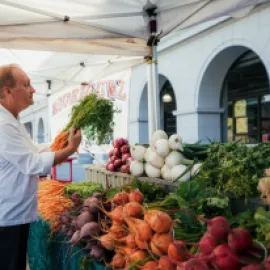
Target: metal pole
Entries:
(151, 105)
(155, 79)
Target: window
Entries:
(248, 95)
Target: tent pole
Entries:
(155, 78)
(151, 104)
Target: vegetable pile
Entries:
(91, 111)
(143, 238)
(51, 201)
(163, 158)
(235, 168)
(119, 156)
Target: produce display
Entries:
(164, 158)
(143, 226)
(92, 111)
(119, 156)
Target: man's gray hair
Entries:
(6, 77)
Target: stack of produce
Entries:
(235, 168)
(264, 187)
(52, 202)
(119, 156)
(143, 239)
(163, 158)
(83, 224)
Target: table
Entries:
(44, 253)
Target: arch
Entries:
(143, 109)
(210, 99)
(29, 128)
(41, 131)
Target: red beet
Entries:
(252, 267)
(207, 244)
(125, 149)
(225, 258)
(218, 227)
(239, 239)
(196, 264)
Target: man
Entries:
(20, 162)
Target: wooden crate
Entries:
(98, 174)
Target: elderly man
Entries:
(21, 160)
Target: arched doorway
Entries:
(29, 128)
(233, 98)
(167, 107)
(41, 131)
(167, 104)
(247, 94)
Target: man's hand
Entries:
(74, 138)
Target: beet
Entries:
(84, 218)
(90, 229)
(93, 204)
(75, 238)
(165, 264)
(98, 253)
(97, 195)
(195, 264)
(225, 258)
(252, 267)
(239, 239)
(218, 227)
(121, 198)
(207, 244)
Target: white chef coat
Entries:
(20, 162)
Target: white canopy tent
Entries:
(111, 27)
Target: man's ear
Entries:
(6, 91)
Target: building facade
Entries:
(214, 85)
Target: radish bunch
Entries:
(119, 156)
(82, 224)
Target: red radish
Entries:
(165, 264)
(225, 258)
(124, 169)
(121, 198)
(162, 241)
(118, 261)
(111, 167)
(133, 209)
(125, 157)
(113, 159)
(125, 149)
(239, 239)
(177, 251)
(118, 163)
(253, 267)
(207, 244)
(159, 221)
(136, 196)
(111, 153)
(129, 160)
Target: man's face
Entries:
(23, 92)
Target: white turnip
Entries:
(136, 168)
(137, 152)
(175, 142)
(162, 147)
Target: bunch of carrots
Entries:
(51, 201)
(91, 111)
